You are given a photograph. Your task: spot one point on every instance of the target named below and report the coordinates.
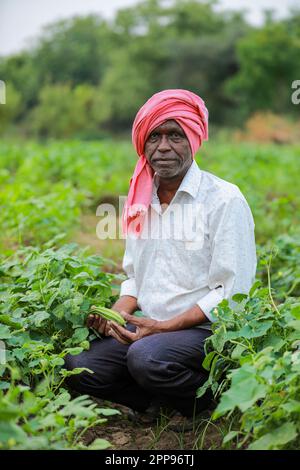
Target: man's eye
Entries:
(154, 135)
(175, 135)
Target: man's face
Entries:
(168, 151)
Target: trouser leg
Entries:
(170, 365)
(111, 380)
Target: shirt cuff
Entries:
(210, 301)
(128, 287)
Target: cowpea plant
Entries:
(45, 296)
(253, 359)
(33, 421)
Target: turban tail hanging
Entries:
(190, 112)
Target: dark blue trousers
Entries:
(163, 366)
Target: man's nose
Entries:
(164, 144)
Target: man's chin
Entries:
(166, 173)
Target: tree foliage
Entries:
(86, 74)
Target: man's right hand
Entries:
(98, 323)
(125, 303)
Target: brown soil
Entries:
(124, 434)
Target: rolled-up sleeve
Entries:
(233, 254)
(128, 287)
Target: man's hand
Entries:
(101, 325)
(144, 327)
(126, 304)
(97, 323)
(147, 326)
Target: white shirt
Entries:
(216, 260)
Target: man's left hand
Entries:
(144, 327)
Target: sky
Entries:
(22, 20)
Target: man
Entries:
(175, 279)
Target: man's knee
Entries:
(71, 362)
(146, 369)
(151, 369)
(138, 363)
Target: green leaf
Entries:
(57, 361)
(276, 439)
(4, 385)
(37, 318)
(74, 351)
(219, 339)
(99, 444)
(108, 411)
(292, 406)
(244, 391)
(208, 359)
(75, 371)
(202, 390)
(7, 320)
(65, 287)
(275, 341)
(295, 311)
(9, 430)
(82, 275)
(4, 332)
(255, 329)
(255, 286)
(80, 335)
(238, 351)
(239, 297)
(231, 435)
(295, 324)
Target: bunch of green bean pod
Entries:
(108, 314)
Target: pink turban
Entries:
(190, 112)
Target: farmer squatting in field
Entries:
(176, 281)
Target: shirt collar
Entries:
(189, 184)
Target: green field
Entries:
(48, 198)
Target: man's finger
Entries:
(137, 321)
(96, 323)
(122, 332)
(102, 326)
(107, 328)
(117, 337)
(134, 320)
(130, 318)
(90, 321)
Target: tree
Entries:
(269, 62)
(64, 111)
(185, 44)
(11, 109)
(74, 50)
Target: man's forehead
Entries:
(169, 124)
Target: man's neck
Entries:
(169, 185)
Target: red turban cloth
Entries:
(190, 112)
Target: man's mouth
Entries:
(163, 162)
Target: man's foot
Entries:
(151, 415)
